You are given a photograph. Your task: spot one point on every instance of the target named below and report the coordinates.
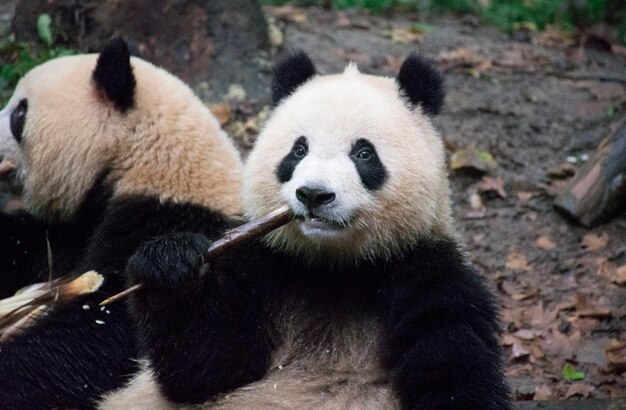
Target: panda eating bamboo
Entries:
(364, 301)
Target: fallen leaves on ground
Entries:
(465, 58)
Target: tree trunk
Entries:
(221, 42)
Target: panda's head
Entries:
(356, 158)
(75, 120)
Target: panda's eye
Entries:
(18, 118)
(299, 151)
(365, 154)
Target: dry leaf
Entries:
(562, 171)
(597, 313)
(463, 57)
(526, 334)
(290, 13)
(476, 202)
(553, 37)
(537, 352)
(585, 309)
(509, 287)
(620, 276)
(474, 159)
(542, 392)
(512, 317)
(523, 196)
(221, 112)
(518, 351)
(545, 243)
(616, 355)
(613, 273)
(404, 36)
(508, 340)
(517, 261)
(579, 389)
(491, 184)
(275, 35)
(593, 242)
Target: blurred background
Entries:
(536, 96)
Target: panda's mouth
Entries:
(312, 224)
(8, 172)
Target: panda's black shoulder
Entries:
(440, 265)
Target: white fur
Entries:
(168, 145)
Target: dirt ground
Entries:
(539, 104)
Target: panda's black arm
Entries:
(129, 222)
(203, 335)
(442, 334)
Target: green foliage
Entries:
(506, 14)
(570, 373)
(19, 57)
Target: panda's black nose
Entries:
(313, 198)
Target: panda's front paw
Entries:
(169, 262)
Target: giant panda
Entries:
(107, 151)
(364, 301)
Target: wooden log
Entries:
(598, 191)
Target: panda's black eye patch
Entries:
(288, 164)
(18, 119)
(369, 166)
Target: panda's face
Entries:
(326, 183)
(47, 131)
(363, 173)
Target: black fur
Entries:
(439, 322)
(168, 311)
(18, 119)
(114, 75)
(290, 73)
(24, 260)
(371, 171)
(290, 161)
(422, 84)
(68, 359)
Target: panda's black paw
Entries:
(169, 262)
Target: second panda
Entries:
(108, 152)
(364, 301)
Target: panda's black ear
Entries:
(422, 84)
(290, 73)
(113, 74)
